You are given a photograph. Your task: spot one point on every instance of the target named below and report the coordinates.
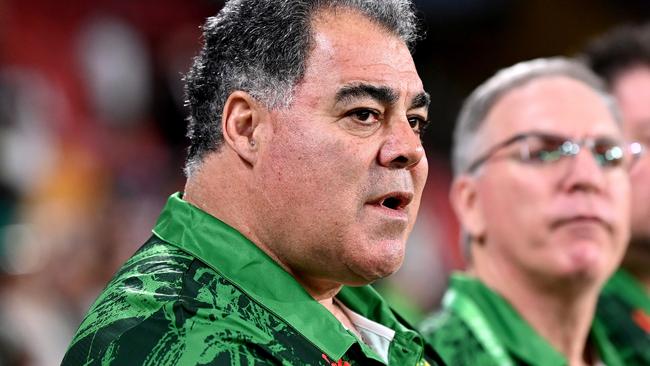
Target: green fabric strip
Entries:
(624, 285)
(469, 312)
(608, 353)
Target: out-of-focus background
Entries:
(92, 129)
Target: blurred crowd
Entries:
(92, 128)
(91, 144)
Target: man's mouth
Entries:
(582, 219)
(394, 201)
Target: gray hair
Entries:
(476, 107)
(467, 140)
(261, 47)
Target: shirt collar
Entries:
(514, 332)
(232, 255)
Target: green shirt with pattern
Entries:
(624, 311)
(200, 293)
(478, 327)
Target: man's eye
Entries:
(365, 116)
(418, 124)
(541, 155)
(543, 149)
(608, 153)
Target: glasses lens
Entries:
(608, 153)
(545, 148)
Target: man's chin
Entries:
(570, 282)
(581, 269)
(586, 259)
(365, 273)
(584, 275)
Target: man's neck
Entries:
(324, 292)
(205, 190)
(331, 305)
(561, 317)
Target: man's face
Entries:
(341, 175)
(632, 89)
(560, 220)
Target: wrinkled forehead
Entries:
(553, 104)
(347, 46)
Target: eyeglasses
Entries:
(543, 148)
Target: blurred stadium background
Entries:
(92, 139)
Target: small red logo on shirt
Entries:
(642, 319)
(339, 363)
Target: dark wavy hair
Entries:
(617, 50)
(261, 47)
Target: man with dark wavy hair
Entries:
(622, 58)
(304, 177)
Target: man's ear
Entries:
(240, 121)
(465, 202)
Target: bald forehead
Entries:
(551, 102)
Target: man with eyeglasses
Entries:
(622, 58)
(541, 190)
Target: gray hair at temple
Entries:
(468, 143)
(467, 133)
(261, 47)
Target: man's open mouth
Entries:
(394, 200)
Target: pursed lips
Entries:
(582, 219)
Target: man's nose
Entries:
(584, 173)
(402, 148)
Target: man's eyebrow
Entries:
(421, 100)
(381, 94)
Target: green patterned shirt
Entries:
(624, 311)
(200, 293)
(478, 327)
